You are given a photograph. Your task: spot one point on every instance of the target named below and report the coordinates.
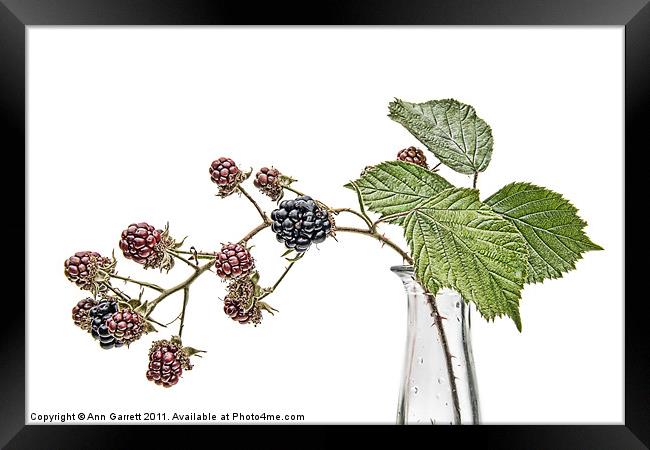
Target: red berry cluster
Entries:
(268, 182)
(166, 363)
(89, 270)
(413, 155)
(81, 313)
(240, 304)
(146, 245)
(234, 261)
(126, 325)
(225, 173)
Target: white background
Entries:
(123, 124)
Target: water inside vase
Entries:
(438, 381)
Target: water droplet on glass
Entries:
(446, 403)
(457, 304)
(439, 382)
(421, 360)
(415, 389)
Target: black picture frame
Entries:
(16, 15)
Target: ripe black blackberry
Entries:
(99, 329)
(297, 223)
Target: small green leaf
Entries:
(396, 186)
(550, 225)
(450, 129)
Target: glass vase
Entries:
(438, 381)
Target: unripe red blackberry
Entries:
(166, 363)
(268, 182)
(146, 245)
(89, 270)
(413, 155)
(236, 310)
(239, 303)
(234, 261)
(225, 173)
(126, 326)
(81, 313)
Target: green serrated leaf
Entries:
(450, 129)
(460, 243)
(550, 225)
(395, 186)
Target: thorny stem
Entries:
(362, 208)
(445, 346)
(201, 255)
(186, 298)
(379, 237)
(295, 191)
(174, 320)
(119, 293)
(252, 200)
(186, 261)
(156, 322)
(182, 285)
(390, 217)
(352, 211)
(141, 283)
(254, 231)
(279, 280)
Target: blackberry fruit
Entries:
(413, 155)
(225, 173)
(238, 312)
(81, 313)
(268, 182)
(300, 222)
(99, 314)
(239, 305)
(166, 363)
(146, 245)
(234, 261)
(125, 326)
(88, 270)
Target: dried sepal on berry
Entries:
(146, 245)
(241, 303)
(89, 270)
